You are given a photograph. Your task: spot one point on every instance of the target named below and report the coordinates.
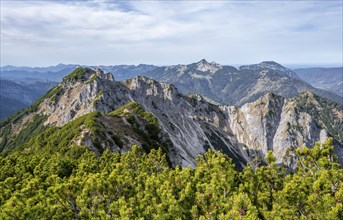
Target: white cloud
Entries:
(105, 32)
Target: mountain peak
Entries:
(203, 62)
(83, 74)
(205, 66)
(273, 66)
(270, 63)
(79, 74)
(100, 74)
(263, 65)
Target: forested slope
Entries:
(73, 183)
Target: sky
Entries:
(100, 32)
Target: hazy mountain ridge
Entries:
(15, 96)
(10, 106)
(228, 85)
(271, 65)
(330, 79)
(56, 68)
(27, 75)
(190, 123)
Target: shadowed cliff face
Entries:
(188, 122)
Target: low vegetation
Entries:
(136, 109)
(71, 182)
(58, 137)
(33, 128)
(77, 74)
(325, 111)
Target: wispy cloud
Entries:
(114, 32)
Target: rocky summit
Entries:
(109, 114)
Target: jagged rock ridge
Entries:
(192, 124)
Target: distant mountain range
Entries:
(28, 74)
(15, 96)
(329, 79)
(228, 85)
(56, 73)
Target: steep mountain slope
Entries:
(228, 85)
(14, 96)
(330, 79)
(20, 86)
(188, 124)
(116, 131)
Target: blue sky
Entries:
(41, 33)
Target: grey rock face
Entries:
(194, 125)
